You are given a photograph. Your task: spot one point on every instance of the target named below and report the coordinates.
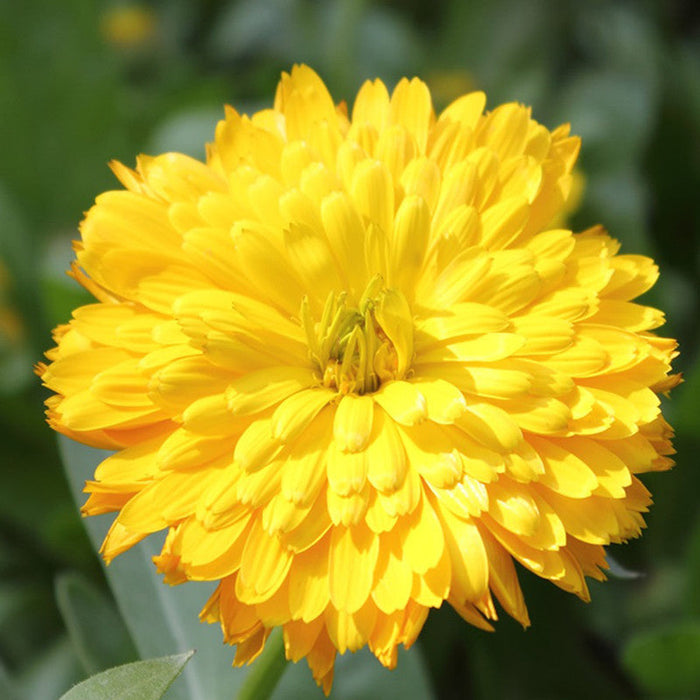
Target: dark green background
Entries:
(625, 74)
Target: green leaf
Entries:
(141, 680)
(94, 626)
(665, 661)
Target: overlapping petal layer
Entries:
(349, 368)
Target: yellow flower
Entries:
(349, 368)
(128, 26)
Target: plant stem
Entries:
(266, 670)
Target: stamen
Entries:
(351, 347)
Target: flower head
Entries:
(350, 369)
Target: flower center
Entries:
(358, 348)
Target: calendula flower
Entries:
(350, 369)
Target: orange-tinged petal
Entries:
(300, 637)
(350, 631)
(264, 565)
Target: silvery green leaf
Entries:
(141, 680)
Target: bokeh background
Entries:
(82, 82)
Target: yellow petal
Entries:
(402, 401)
(467, 555)
(565, 472)
(294, 414)
(256, 446)
(264, 565)
(422, 538)
(281, 515)
(592, 520)
(468, 498)
(408, 243)
(371, 104)
(373, 194)
(376, 517)
(412, 107)
(207, 555)
(184, 381)
(612, 473)
(347, 471)
(304, 100)
(84, 412)
(342, 223)
(432, 454)
(350, 631)
(300, 637)
(466, 109)
(445, 403)
(404, 499)
(265, 268)
(627, 315)
(394, 581)
(312, 528)
(503, 579)
(256, 391)
(353, 423)
(75, 372)
(395, 147)
(394, 316)
(352, 559)
(513, 507)
(488, 347)
(422, 177)
(168, 500)
(310, 256)
(491, 426)
(347, 510)
(386, 457)
(134, 465)
(504, 222)
(464, 319)
(505, 129)
(305, 468)
(433, 587)
(542, 415)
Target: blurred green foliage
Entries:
(80, 85)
